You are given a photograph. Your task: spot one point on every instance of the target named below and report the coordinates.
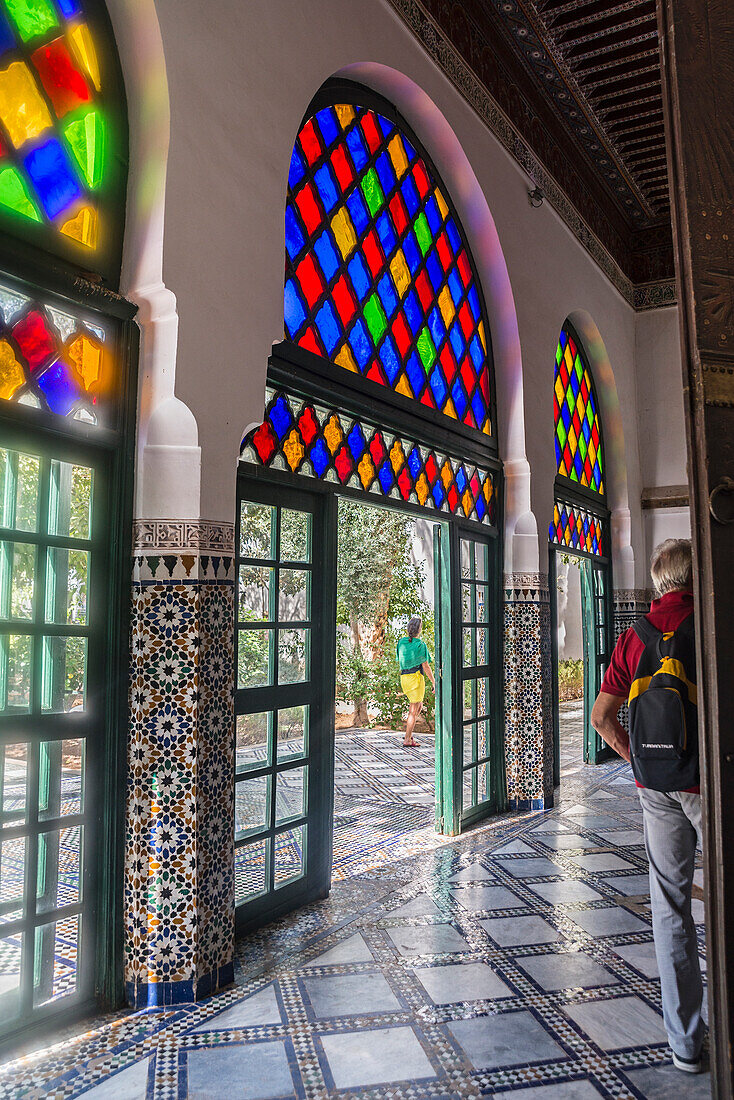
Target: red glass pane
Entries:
(576, 422)
(308, 426)
(371, 131)
(468, 375)
(373, 253)
(342, 167)
(310, 279)
(584, 390)
(595, 433)
(308, 208)
(448, 363)
(425, 290)
(563, 373)
(466, 319)
(35, 340)
(344, 300)
(572, 347)
(484, 386)
(431, 469)
(310, 142)
(464, 268)
(452, 497)
(404, 483)
(377, 448)
(421, 178)
(444, 252)
(475, 486)
(375, 373)
(308, 340)
(469, 418)
(427, 398)
(398, 213)
(402, 334)
(65, 86)
(265, 442)
(343, 463)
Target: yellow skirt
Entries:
(414, 686)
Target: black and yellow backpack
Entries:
(663, 715)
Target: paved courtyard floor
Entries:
(516, 961)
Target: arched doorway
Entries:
(382, 390)
(67, 382)
(579, 535)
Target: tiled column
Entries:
(179, 881)
(629, 604)
(528, 697)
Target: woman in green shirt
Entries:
(414, 667)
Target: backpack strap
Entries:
(646, 632)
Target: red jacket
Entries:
(667, 613)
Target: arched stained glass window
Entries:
(62, 144)
(578, 438)
(379, 277)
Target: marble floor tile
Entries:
(512, 1039)
(381, 1056)
(624, 837)
(256, 1071)
(630, 885)
(609, 922)
(665, 1082)
(551, 825)
(565, 1090)
(562, 841)
(565, 892)
(511, 931)
(641, 956)
(427, 939)
(618, 1023)
(350, 995)
(462, 982)
(352, 950)
(477, 899)
(255, 1011)
(130, 1083)
(422, 906)
(604, 862)
(530, 868)
(475, 872)
(566, 971)
(514, 848)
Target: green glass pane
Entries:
(426, 350)
(70, 500)
(255, 658)
(15, 672)
(86, 137)
(67, 573)
(15, 194)
(64, 672)
(579, 368)
(559, 354)
(252, 740)
(250, 805)
(561, 433)
(570, 400)
(582, 447)
(372, 191)
(31, 17)
(423, 234)
(375, 318)
(295, 536)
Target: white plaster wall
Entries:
(240, 76)
(662, 432)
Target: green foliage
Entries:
(570, 680)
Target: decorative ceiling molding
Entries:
(651, 294)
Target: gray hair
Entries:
(414, 626)
(671, 566)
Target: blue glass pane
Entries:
(59, 388)
(7, 39)
(461, 479)
(435, 271)
(481, 507)
(328, 125)
(416, 374)
(357, 148)
(458, 344)
(53, 177)
(436, 325)
(477, 352)
(458, 397)
(558, 453)
(293, 309)
(358, 210)
(389, 359)
(294, 241)
(327, 256)
(361, 344)
(410, 196)
(438, 386)
(360, 277)
(297, 170)
(319, 457)
(413, 312)
(412, 252)
(388, 297)
(386, 233)
(386, 477)
(280, 417)
(415, 463)
(385, 125)
(478, 408)
(438, 494)
(565, 416)
(453, 235)
(357, 442)
(327, 187)
(328, 327)
(473, 299)
(69, 7)
(433, 215)
(455, 286)
(385, 173)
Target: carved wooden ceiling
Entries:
(580, 82)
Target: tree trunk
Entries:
(360, 717)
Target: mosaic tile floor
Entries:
(538, 922)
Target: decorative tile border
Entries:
(629, 604)
(528, 695)
(179, 886)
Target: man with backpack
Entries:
(653, 668)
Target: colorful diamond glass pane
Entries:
(577, 426)
(396, 289)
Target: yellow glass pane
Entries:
(345, 358)
(569, 358)
(293, 450)
(488, 490)
(397, 156)
(366, 471)
(422, 488)
(11, 372)
(397, 457)
(449, 409)
(403, 386)
(86, 55)
(345, 114)
(400, 273)
(559, 389)
(487, 427)
(86, 355)
(446, 305)
(333, 434)
(343, 230)
(447, 474)
(83, 227)
(482, 337)
(467, 503)
(442, 204)
(22, 108)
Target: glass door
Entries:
(284, 700)
(595, 601)
(53, 550)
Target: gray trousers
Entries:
(672, 827)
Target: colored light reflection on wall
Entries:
(310, 440)
(54, 141)
(577, 426)
(52, 359)
(577, 529)
(378, 275)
